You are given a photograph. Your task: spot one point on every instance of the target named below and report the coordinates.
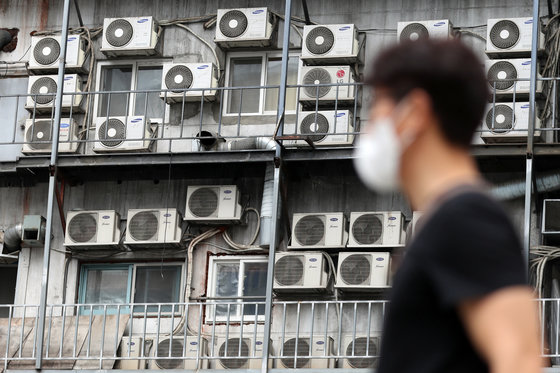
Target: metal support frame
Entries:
(78, 13)
(530, 138)
(306, 12)
(276, 188)
(52, 189)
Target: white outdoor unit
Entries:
(45, 53)
(213, 204)
(136, 36)
(507, 122)
(194, 347)
(237, 352)
(38, 136)
(413, 226)
(131, 347)
(511, 37)
(322, 128)
(153, 227)
(92, 229)
(118, 134)
(376, 229)
(330, 44)
(180, 78)
(509, 76)
(551, 217)
(301, 272)
(314, 352)
(363, 271)
(319, 231)
(364, 349)
(414, 30)
(244, 27)
(41, 91)
(313, 75)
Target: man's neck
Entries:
(449, 168)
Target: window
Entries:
(233, 277)
(130, 283)
(8, 276)
(264, 69)
(125, 76)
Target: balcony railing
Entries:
(212, 334)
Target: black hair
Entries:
(448, 71)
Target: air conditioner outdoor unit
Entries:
(330, 44)
(92, 229)
(314, 352)
(364, 349)
(41, 93)
(413, 226)
(213, 204)
(322, 129)
(136, 36)
(301, 272)
(46, 52)
(551, 217)
(38, 136)
(131, 347)
(244, 27)
(313, 75)
(180, 78)
(363, 271)
(118, 134)
(195, 347)
(319, 230)
(151, 227)
(239, 353)
(511, 37)
(414, 30)
(511, 76)
(376, 229)
(508, 122)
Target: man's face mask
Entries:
(378, 153)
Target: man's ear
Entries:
(416, 112)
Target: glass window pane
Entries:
(227, 285)
(115, 79)
(244, 72)
(106, 286)
(274, 69)
(254, 284)
(157, 284)
(148, 78)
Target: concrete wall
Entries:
(311, 188)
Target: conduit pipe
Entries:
(13, 236)
(266, 205)
(516, 189)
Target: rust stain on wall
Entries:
(43, 14)
(26, 199)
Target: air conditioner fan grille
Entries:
(500, 119)
(319, 40)
(314, 123)
(203, 202)
(367, 358)
(233, 23)
(113, 133)
(356, 269)
(82, 227)
(317, 76)
(368, 229)
(179, 78)
(44, 88)
(176, 351)
(119, 33)
(289, 269)
(504, 34)
(233, 350)
(143, 226)
(291, 353)
(501, 75)
(310, 230)
(38, 135)
(46, 51)
(414, 31)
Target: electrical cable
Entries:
(250, 245)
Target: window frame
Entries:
(265, 55)
(135, 65)
(211, 288)
(131, 286)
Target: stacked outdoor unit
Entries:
(508, 68)
(326, 92)
(41, 93)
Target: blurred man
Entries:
(460, 302)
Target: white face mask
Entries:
(377, 156)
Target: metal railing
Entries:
(213, 334)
